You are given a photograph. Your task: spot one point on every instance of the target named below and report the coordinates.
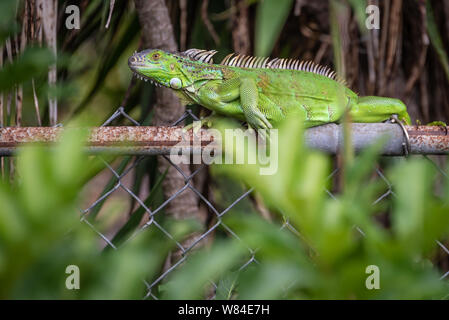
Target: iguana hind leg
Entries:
(378, 109)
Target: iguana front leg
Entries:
(234, 97)
(249, 96)
(215, 96)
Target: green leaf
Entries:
(8, 24)
(359, 7)
(31, 64)
(200, 269)
(137, 215)
(112, 181)
(435, 39)
(113, 53)
(283, 278)
(226, 286)
(336, 11)
(270, 18)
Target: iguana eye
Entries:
(175, 83)
(155, 56)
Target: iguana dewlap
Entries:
(261, 91)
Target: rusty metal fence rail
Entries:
(161, 140)
(144, 140)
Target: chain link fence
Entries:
(184, 248)
(152, 215)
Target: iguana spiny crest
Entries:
(188, 59)
(247, 61)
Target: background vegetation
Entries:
(50, 74)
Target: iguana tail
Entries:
(378, 109)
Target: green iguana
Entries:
(261, 91)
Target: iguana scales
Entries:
(261, 91)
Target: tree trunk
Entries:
(157, 32)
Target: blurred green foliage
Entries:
(436, 39)
(41, 233)
(328, 260)
(325, 258)
(8, 25)
(32, 63)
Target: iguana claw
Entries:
(258, 121)
(260, 124)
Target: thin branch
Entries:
(111, 8)
(183, 24)
(50, 8)
(36, 104)
(1, 93)
(209, 26)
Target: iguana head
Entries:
(174, 70)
